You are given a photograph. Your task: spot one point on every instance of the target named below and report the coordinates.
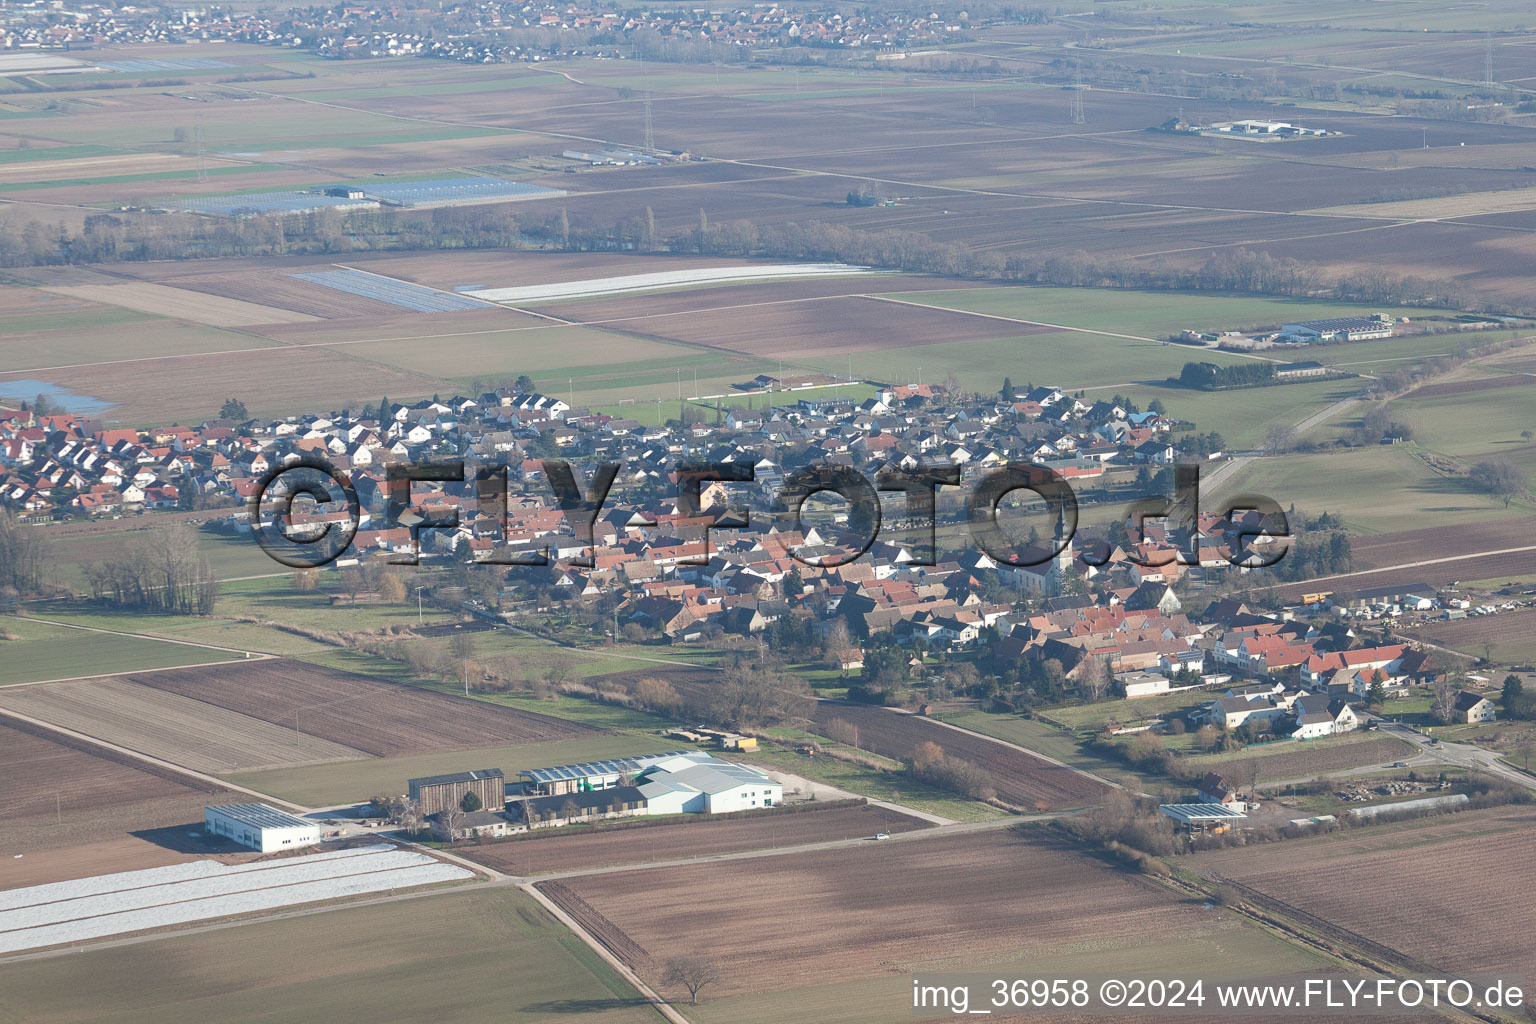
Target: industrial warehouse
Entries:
(479, 803)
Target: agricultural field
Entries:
(999, 899)
(169, 726)
(571, 848)
(180, 304)
(1389, 490)
(479, 957)
(1304, 759)
(1385, 882)
(1020, 778)
(56, 792)
(375, 717)
(1509, 636)
(33, 651)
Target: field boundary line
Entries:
(129, 672)
(662, 1007)
(160, 765)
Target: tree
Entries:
(391, 588)
(233, 409)
(1376, 693)
(462, 646)
(1500, 478)
(1443, 706)
(691, 972)
(525, 384)
(450, 820)
(926, 754)
(23, 554)
(655, 694)
(1207, 737)
(1007, 390)
(305, 580)
(1093, 677)
(471, 802)
(1280, 437)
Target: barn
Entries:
(433, 793)
(260, 827)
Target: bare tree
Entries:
(451, 820)
(691, 972)
(1443, 706)
(1093, 677)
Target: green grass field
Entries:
(492, 956)
(351, 781)
(46, 651)
(1376, 490)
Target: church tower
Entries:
(1061, 567)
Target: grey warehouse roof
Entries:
(1201, 812)
(261, 816)
(590, 769)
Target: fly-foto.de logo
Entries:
(321, 530)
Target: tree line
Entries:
(159, 571)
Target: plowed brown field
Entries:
(707, 836)
(366, 714)
(1020, 778)
(1442, 890)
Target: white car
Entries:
(879, 836)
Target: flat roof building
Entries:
(261, 827)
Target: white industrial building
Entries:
(261, 827)
(701, 784)
(682, 782)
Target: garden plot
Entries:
(93, 908)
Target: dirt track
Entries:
(706, 837)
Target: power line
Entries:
(197, 134)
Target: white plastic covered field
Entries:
(93, 908)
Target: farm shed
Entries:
(261, 827)
(1200, 817)
(436, 792)
(590, 775)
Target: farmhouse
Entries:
(261, 827)
(434, 793)
(1473, 707)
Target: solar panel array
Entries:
(269, 202)
(396, 293)
(589, 769)
(447, 191)
(166, 64)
